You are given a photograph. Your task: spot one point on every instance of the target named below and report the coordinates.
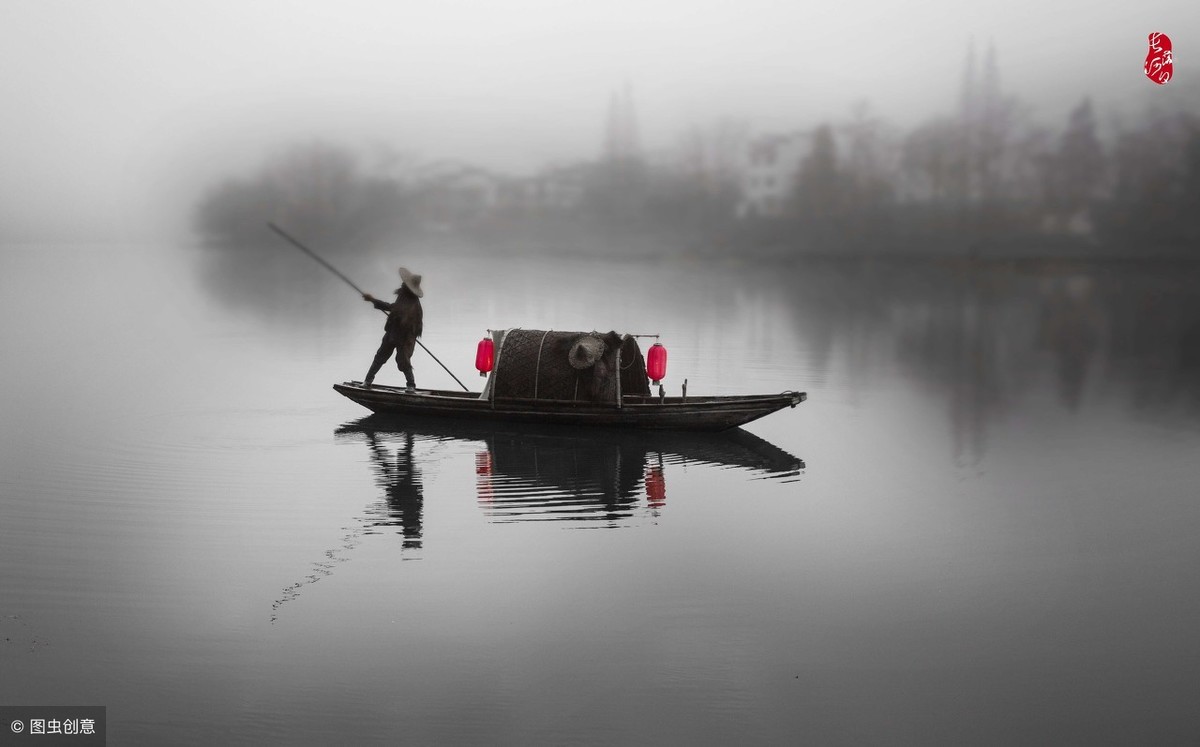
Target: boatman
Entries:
(402, 329)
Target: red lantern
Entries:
(656, 363)
(483, 356)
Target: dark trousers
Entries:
(403, 349)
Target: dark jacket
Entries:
(404, 320)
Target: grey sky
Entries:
(117, 111)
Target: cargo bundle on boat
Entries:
(572, 378)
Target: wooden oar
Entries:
(350, 283)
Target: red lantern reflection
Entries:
(656, 487)
(483, 476)
(483, 356)
(656, 363)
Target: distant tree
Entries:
(697, 186)
(316, 190)
(968, 160)
(819, 185)
(711, 155)
(932, 161)
(868, 168)
(1079, 166)
(1035, 156)
(315, 187)
(616, 188)
(1191, 191)
(819, 192)
(233, 210)
(614, 194)
(1156, 169)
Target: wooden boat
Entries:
(678, 413)
(536, 380)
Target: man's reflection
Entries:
(403, 508)
(401, 483)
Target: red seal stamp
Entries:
(1160, 62)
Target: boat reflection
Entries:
(591, 478)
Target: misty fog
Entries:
(122, 116)
(968, 232)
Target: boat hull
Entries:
(668, 413)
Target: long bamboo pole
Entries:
(350, 283)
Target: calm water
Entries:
(981, 528)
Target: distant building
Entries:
(768, 173)
(555, 188)
(452, 193)
(562, 187)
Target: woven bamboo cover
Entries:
(534, 364)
